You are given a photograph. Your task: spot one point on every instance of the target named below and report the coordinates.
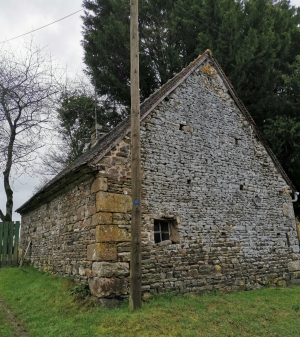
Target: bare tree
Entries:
(27, 86)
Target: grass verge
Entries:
(6, 327)
(44, 305)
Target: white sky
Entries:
(62, 39)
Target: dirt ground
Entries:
(19, 329)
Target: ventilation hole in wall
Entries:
(181, 127)
(241, 187)
(288, 239)
(188, 181)
(236, 141)
(223, 233)
(278, 234)
(167, 99)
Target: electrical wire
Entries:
(41, 27)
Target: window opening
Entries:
(288, 239)
(241, 187)
(181, 127)
(161, 231)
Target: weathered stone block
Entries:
(102, 287)
(294, 266)
(88, 272)
(81, 271)
(111, 233)
(102, 252)
(101, 218)
(206, 269)
(218, 269)
(285, 209)
(109, 303)
(281, 283)
(112, 202)
(107, 269)
(99, 184)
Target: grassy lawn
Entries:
(6, 328)
(45, 307)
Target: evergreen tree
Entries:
(106, 44)
(257, 43)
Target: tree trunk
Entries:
(6, 174)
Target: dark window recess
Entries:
(236, 141)
(241, 187)
(189, 181)
(288, 240)
(161, 231)
(181, 127)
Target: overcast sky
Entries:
(62, 39)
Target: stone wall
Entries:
(206, 173)
(205, 168)
(85, 232)
(60, 231)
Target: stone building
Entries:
(217, 205)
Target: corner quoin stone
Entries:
(102, 252)
(110, 269)
(101, 218)
(99, 184)
(294, 266)
(111, 233)
(101, 287)
(112, 202)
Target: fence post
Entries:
(16, 243)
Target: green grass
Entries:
(6, 328)
(44, 305)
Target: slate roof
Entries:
(104, 145)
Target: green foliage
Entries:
(107, 46)
(45, 307)
(76, 114)
(257, 43)
(80, 291)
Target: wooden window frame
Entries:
(169, 234)
(161, 232)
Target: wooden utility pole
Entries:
(135, 300)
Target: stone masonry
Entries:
(207, 174)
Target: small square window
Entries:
(161, 231)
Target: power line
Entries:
(41, 27)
